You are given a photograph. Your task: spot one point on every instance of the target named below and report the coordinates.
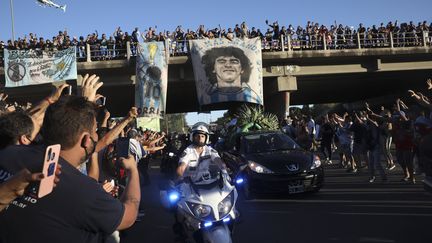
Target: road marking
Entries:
(386, 214)
(335, 201)
(365, 192)
(392, 206)
(372, 189)
(367, 239)
(268, 211)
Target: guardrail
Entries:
(290, 43)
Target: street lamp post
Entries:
(12, 18)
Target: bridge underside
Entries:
(311, 89)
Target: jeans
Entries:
(385, 142)
(375, 162)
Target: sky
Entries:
(84, 17)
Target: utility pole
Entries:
(12, 18)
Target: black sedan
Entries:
(270, 162)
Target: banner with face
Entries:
(227, 70)
(32, 67)
(151, 79)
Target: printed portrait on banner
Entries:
(227, 70)
(151, 79)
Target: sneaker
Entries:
(405, 179)
(329, 162)
(354, 170)
(372, 179)
(412, 180)
(392, 167)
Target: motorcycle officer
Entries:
(196, 158)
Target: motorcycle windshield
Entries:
(205, 176)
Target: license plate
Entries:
(295, 187)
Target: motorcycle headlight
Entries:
(171, 154)
(316, 162)
(259, 168)
(224, 207)
(200, 210)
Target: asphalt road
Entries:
(347, 209)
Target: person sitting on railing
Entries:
(269, 35)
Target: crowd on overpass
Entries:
(312, 36)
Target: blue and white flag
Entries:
(31, 67)
(151, 79)
(227, 70)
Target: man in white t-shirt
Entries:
(197, 157)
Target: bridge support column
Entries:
(278, 102)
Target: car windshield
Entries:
(266, 142)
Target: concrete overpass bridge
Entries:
(290, 78)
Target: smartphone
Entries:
(46, 185)
(122, 147)
(101, 101)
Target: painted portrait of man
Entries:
(227, 71)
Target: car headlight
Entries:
(316, 162)
(224, 207)
(259, 168)
(200, 210)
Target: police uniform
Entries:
(197, 165)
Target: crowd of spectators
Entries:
(364, 138)
(85, 204)
(312, 36)
(97, 192)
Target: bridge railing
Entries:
(96, 52)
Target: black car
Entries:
(270, 162)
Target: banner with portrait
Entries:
(31, 67)
(151, 79)
(227, 70)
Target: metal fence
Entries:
(290, 43)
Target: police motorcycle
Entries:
(205, 208)
(204, 204)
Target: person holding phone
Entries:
(15, 186)
(78, 210)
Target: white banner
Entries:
(151, 79)
(227, 70)
(31, 67)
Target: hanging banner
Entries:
(227, 70)
(151, 79)
(31, 67)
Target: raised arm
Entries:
(116, 131)
(132, 193)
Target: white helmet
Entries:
(200, 128)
